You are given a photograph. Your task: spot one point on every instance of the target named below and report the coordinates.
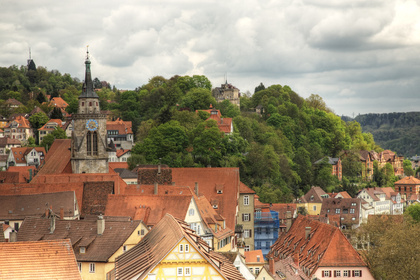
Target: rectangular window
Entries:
(351, 211)
(337, 273)
(187, 271)
(247, 233)
(257, 271)
(91, 268)
(79, 265)
(326, 273)
(125, 248)
(181, 248)
(337, 211)
(346, 273)
(357, 273)
(187, 248)
(179, 271)
(314, 208)
(246, 199)
(247, 248)
(245, 217)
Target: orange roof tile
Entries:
(52, 121)
(123, 127)
(21, 121)
(326, 246)
(245, 189)
(207, 179)
(148, 208)
(58, 157)
(59, 102)
(121, 152)
(253, 256)
(53, 259)
(114, 165)
(410, 180)
(21, 174)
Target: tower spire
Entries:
(87, 90)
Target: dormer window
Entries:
(219, 191)
(82, 250)
(312, 198)
(215, 206)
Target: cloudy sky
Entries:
(360, 56)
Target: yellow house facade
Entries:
(172, 251)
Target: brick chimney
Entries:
(307, 231)
(61, 213)
(100, 225)
(52, 222)
(155, 190)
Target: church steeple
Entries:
(88, 90)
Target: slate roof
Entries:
(20, 206)
(142, 258)
(125, 173)
(330, 160)
(207, 179)
(326, 246)
(53, 259)
(148, 208)
(82, 233)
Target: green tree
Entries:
(408, 169)
(414, 211)
(351, 165)
(198, 98)
(208, 147)
(57, 114)
(48, 140)
(37, 120)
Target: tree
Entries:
(198, 98)
(48, 140)
(259, 87)
(351, 165)
(408, 169)
(315, 101)
(56, 114)
(37, 120)
(414, 211)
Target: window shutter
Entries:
(250, 233)
(330, 273)
(335, 273)
(323, 273)
(243, 217)
(352, 273)
(360, 273)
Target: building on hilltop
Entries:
(336, 168)
(227, 92)
(89, 136)
(315, 250)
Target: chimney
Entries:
(196, 188)
(155, 191)
(100, 225)
(61, 213)
(30, 175)
(159, 166)
(52, 222)
(307, 231)
(271, 265)
(221, 120)
(13, 236)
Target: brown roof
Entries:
(16, 174)
(8, 141)
(326, 246)
(12, 101)
(52, 259)
(22, 122)
(207, 179)
(17, 207)
(58, 158)
(82, 233)
(410, 180)
(314, 195)
(329, 206)
(148, 208)
(152, 249)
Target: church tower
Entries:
(88, 140)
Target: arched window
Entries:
(92, 143)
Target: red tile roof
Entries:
(115, 165)
(12, 101)
(53, 259)
(121, 152)
(208, 179)
(58, 158)
(245, 189)
(252, 257)
(17, 174)
(57, 102)
(56, 121)
(410, 180)
(123, 127)
(148, 253)
(224, 124)
(148, 208)
(326, 246)
(22, 122)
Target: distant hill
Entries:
(399, 132)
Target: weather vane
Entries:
(87, 52)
